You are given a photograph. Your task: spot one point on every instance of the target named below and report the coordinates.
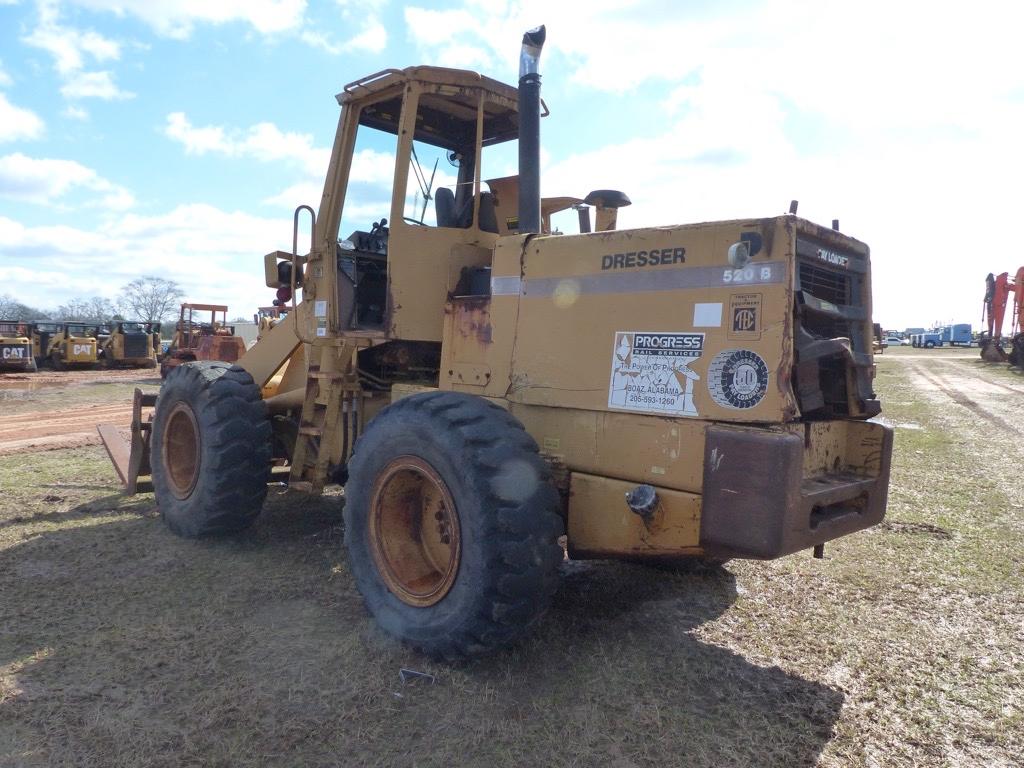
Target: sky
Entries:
(176, 137)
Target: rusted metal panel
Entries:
(757, 501)
(601, 523)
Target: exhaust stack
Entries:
(529, 131)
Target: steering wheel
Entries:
(411, 220)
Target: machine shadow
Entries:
(621, 638)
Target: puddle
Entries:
(896, 424)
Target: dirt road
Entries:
(49, 410)
(48, 430)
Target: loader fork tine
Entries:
(131, 459)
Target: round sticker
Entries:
(737, 378)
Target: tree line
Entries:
(147, 299)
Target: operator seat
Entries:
(488, 215)
(444, 207)
(451, 214)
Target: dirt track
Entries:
(50, 410)
(47, 430)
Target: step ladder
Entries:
(331, 415)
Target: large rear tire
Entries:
(451, 524)
(210, 449)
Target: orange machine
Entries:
(195, 339)
(997, 294)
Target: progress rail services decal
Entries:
(651, 372)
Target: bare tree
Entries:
(101, 310)
(12, 309)
(150, 299)
(94, 310)
(75, 309)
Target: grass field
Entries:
(122, 645)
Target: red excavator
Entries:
(998, 289)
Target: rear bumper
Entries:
(760, 502)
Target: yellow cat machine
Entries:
(40, 334)
(266, 318)
(130, 344)
(73, 345)
(484, 388)
(197, 339)
(16, 347)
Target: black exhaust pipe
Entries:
(529, 131)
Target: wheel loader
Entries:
(130, 344)
(266, 318)
(495, 397)
(16, 347)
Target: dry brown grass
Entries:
(121, 645)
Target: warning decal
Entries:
(738, 378)
(651, 372)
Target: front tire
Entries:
(210, 449)
(451, 524)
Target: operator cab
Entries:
(424, 134)
(423, 181)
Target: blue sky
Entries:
(175, 137)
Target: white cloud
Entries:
(69, 47)
(308, 192)
(72, 49)
(364, 16)
(262, 141)
(93, 85)
(373, 38)
(18, 123)
(266, 142)
(321, 41)
(75, 113)
(48, 181)
(178, 18)
(5, 79)
(215, 255)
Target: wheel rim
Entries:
(414, 532)
(181, 450)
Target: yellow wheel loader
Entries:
(73, 345)
(483, 387)
(266, 318)
(130, 344)
(16, 347)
